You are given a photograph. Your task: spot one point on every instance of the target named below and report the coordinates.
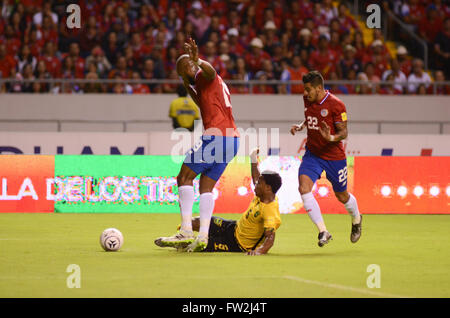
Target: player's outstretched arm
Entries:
(208, 70)
(254, 164)
(269, 239)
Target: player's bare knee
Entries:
(342, 197)
(183, 180)
(304, 189)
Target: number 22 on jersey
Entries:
(312, 122)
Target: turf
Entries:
(36, 249)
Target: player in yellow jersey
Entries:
(254, 232)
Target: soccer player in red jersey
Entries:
(209, 158)
(326, 123)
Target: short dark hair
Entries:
(181, 91)
(273, 179)
(313, 77)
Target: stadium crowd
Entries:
(242, 39)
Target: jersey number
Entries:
(342, 175)
(312, 123)
(226, 93)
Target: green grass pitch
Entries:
(412, 252)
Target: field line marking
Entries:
(343, 287)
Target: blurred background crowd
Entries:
(243, 39)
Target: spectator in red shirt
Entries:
(297, 70)
(346, 21)
(430, 25)
(324, 60)
(7, 62)
(404, 61)
(256, 55)
(12, 43)
(121, 69)
(358, 44)
(78, 61)
(139, 88)
(336, 44)
(42, 73)
(441, 89)
(48, 31)
(89, 38)
(377, 58)
(318, 17)
(378, 39)
(52, 63)
(413, 12)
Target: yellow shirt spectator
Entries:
(183, 110)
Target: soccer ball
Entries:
(111, 240)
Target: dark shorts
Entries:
(336, 170)
(211, 155)
(221, 236)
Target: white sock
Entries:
(206, 211)
(186, 200)
(352, 208)
(313, 209)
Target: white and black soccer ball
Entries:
(111, 240)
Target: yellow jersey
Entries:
(252, 224)
(185, 111)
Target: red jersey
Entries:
(330, 110)
(214, 101)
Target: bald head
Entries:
(186, 68)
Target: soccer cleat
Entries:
(324, 238)
(179, 240)
(198, 245)
(356, 231)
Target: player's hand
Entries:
(254, 155)
(253, 253)
(298, 127)
(191, 48)
(325, 130)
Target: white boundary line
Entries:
(343, 287)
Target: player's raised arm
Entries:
(269, 239)
(207, 70)
(254, 164)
